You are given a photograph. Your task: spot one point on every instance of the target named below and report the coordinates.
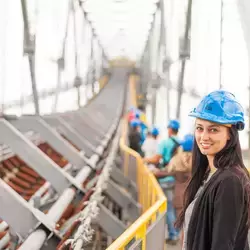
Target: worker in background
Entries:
(143, 132)
(166, 150)
(135, 113)
(180, 168)
(134, 135)
(143, 125)
(131, 114)
(143, 117)
(150, 145)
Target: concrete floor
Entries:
(168, 247)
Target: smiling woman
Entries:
(211, 138)
(216, 208)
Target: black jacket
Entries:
(220, 214)
(134, 140)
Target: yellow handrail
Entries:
(150, 194)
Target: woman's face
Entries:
(210, 137)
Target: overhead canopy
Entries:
(121, 26)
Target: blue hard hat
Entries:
(220, 107)
(137, 114)
(155, 131)
(135, 123)
(174, 124)
(187, 143)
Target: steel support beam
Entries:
(244, 10)
(99, 117)
(183, 63)
(70, 133)
(54, 139)
(30, 50)
(106, 135)
(19, 214)
(35, 240)
(92, 122)
(79, 127)
(78, 80)
(54, 214)
(124, 200)
(118, 176)
(36, 159)
(61, 63)
(86, 120)
(109, 222)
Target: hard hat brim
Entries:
(212, 118)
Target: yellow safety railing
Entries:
(150, 194)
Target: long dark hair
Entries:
(229, 157)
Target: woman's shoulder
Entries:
(233, 176)
(233, 172)
(223, 174)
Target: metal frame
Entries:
(184, 58)
(24, 124)
(30, 50)
(70, 133)
(109, 222)
(102, 142)
(124, 200)
(35, 158)
(30, 217)
(92, 124)
(118, 176)
(79, 127)
(155, 232)
(244, 10)
(107, 135)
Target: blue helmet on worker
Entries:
(187, 143)
(220, 107)
(137, 114)
(135, 123)
(134, 113)
(155, 131)
(174, 124)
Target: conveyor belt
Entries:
(49, 156)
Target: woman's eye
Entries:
(213, 130)
(199, 128)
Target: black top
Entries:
(135, 140)
(220, 214)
